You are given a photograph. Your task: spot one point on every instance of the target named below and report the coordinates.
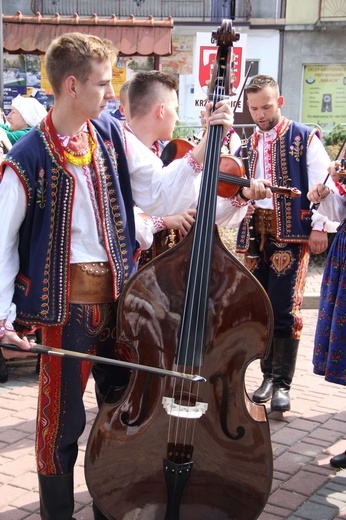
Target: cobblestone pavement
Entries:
(305, 487)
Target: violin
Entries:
(232, 175)
(167, 449)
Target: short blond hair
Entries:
(71, 54)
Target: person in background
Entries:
(151, 113)
(142, 99)
(3, 151)
(329, 355)
(3, 118)
(231, 143)
(68, 245)
(121, 112)
(26, 112)
(285, 153)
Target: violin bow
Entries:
(243, 86)
(53, 351)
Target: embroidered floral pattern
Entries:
(111, 150)
(197, 168)
(296, 149)
(268, 139)
(281, 262)
(329, 353)
(41, 189)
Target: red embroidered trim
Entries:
(197, 168)
(157, 224)
(235, 202)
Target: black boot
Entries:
(339, 461)
(285, 352)
(265, 391)
(3, 369)
(56, 497)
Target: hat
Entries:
(30, 109)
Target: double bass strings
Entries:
(195, 315)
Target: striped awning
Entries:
(33, 34)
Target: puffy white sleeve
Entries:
(12, 212)
(317, 162)
(144, 234)
(159, 190)
(229, 214)
(330, 212)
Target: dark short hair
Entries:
(147, 88)
(259, 82)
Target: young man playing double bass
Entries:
(68, 242)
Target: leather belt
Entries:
(265, 224)
(91, 282)
(265, 221)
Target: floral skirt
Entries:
(329, 357)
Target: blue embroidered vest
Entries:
(289, 168)
(42, 285)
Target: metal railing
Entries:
(194, 10)
(190, 130)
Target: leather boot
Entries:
(285, 352)
(265, 391)
(3, 369)
(56, 497)
(339, 461)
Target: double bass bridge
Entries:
(193, 410)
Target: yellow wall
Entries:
(302, 11)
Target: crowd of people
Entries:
(85, 202)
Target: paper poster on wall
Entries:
(45, 85)
(181, 59)
(324, 95)
(204, 57)
(21, 74)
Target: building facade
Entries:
(301, 44)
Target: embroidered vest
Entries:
(42, 285)
(289, 168)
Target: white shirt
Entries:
(155, 192)
(317, 163)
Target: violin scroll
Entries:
(293, 193)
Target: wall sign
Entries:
(324, 95)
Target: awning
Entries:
(33, 34)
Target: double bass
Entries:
(168, 449)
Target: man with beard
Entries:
(285, 153)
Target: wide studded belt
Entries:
(91, 282)
(265, 221)
(265, 224)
